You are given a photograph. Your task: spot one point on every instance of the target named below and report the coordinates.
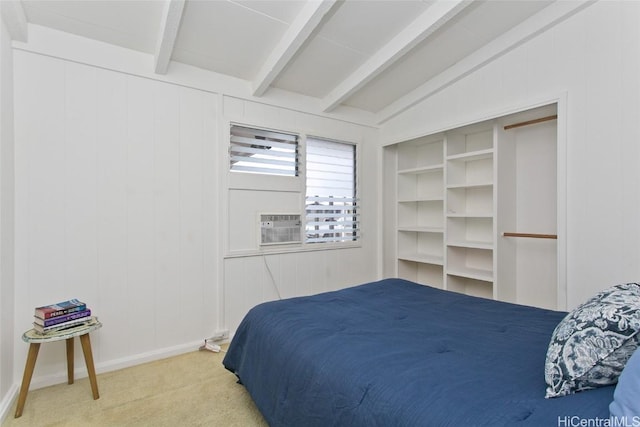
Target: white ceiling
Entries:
(365, 54)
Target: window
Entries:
(331, 208)
(329, 185)
(263, 152)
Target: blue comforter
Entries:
(396, 353)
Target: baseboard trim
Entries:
(6, 404)
(138, 359)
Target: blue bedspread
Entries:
(395, 353)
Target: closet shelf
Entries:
(470, 215)
(421, 229)
(422, 258)
(436, 198)
(471, 244)
(470, 185)
(421, 170)
(472, 155)
(462, 199)
(472, 273)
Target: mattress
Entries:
(397, 353)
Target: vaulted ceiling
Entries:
(380, 56)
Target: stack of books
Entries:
(60, 316)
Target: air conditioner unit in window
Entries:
(280, 229)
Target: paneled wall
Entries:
(252, 274)
(116, 192)
(7, 308)
(123, 200)
(254, 279)
(588, 58)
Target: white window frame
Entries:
(291, 184)
(325, 221)
(266, 152)
(260, 181)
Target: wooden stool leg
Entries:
(70, 360)
(88, 358)
(26, 378)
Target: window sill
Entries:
(310, 247)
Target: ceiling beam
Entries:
(535, 25)
(437, 15)
(296, 35)
(15, 19)
(169, 27)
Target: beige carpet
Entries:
(193, 389)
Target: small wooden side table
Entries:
(35, 339)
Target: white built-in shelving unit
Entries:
(458, 192)
(420, 206)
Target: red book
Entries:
(60, 309)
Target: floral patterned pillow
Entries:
(591, 345)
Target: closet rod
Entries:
(531, 122)
(532, 235)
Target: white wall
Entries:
(7, 309)
(593, 58)
(252, 275)
(115, 195)
(121, 201)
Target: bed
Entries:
(397, 353)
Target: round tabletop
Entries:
(32, 336)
